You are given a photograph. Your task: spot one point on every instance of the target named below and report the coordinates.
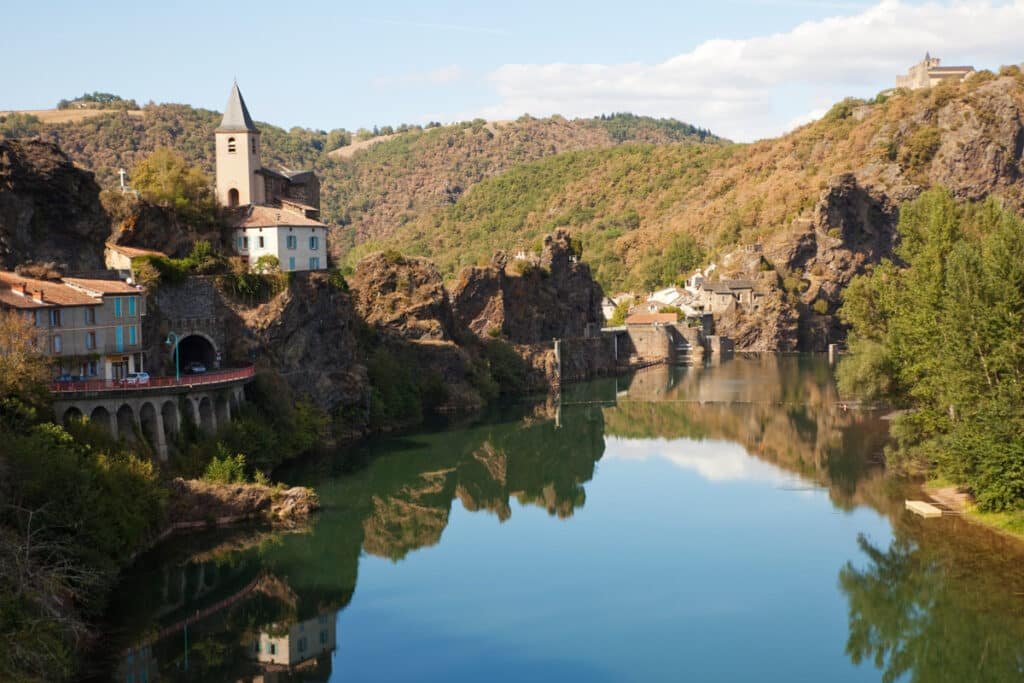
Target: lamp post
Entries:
(173, 339)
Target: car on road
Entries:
(195, 368)
(136, 378)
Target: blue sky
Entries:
(744, 68)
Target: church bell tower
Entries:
(238, 155)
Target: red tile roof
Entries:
(259, 216)
(53, 293)
(100, 287)
(134, 251)
(651, 318)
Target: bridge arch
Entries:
(197, 347)
(150, 425)
(207, 419)
(72, 414)
(222, 408)
(126, 423)
(171, 420)
(101, 416)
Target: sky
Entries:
(745, 69)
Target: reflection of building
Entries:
(301, 643)
(138, 666)
(88, 327)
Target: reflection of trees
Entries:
(945, 609)
(781, 409)
(396, 504)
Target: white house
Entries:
(286, 232)
(273, 213)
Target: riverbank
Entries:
(951, 496)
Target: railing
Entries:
(215, 377)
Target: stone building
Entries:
(928, 73)
(88, 327)
(274, 212)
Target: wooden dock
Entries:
(926, 510)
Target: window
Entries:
(90, 316)
(256, 646)
(56, 317)
(260, 238)
(323, 637)
(314, 263)
(58, 344)
(92, 368)
(314, 243)
(302, 644)
(245, 243)
(272, 648)
(231, 145)
(291, 263)
(90, 340)
(40, 319)
(131, 335)
(119, 338)
(131, 305)
(292, 242)
(117, 307)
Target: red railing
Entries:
(214, 377)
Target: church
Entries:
(273, 212)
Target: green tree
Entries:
(168, 180)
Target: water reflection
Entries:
(265, 606)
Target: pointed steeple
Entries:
(236, 115)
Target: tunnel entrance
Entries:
(196, 349)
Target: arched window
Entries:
(231, 145)
(232, 197)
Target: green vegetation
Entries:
(625, 127)
(942, 336)
(620, 314)
(98, 100)
(225, 469)
(74, 507)
(166, 179)
(18, 125)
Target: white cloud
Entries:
(715, 461)
(444, 75)
(755, 87)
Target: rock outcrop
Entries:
(555, 298)
(403, 296)
(49, 209)
(195, 503)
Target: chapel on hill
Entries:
(273, 212)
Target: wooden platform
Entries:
(920, 507)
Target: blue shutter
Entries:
(119, 337)
(131, 335)
(291, 263)
(117, 307)
(131, 305)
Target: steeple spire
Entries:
(236, 115)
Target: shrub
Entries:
(921, 148)
(226, 469)
(820, 306)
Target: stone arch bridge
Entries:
(155, 412)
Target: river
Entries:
(727, 523)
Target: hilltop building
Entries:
(88, 327)
(928, 73)
(273, 213)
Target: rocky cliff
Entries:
(556, 297)
(49, 210)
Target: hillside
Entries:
(822, 201)
(370, 187)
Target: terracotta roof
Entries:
(651, 318)
(101, 287)
(260, 216)
(54, 293)
(133, 251)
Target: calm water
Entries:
(729, 523)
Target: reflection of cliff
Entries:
(781, 409)
(933, 606)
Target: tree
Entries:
(24, 369)
(942, 336)
(165, 178)
(621, 312)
